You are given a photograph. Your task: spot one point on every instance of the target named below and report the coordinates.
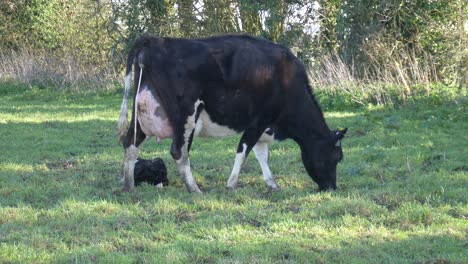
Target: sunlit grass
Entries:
(401, 198)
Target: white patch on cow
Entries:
(266, 138)
(208, 128)
(183, 164)
(240, 158)
(152, 116)
(131, 155)
(261, 152)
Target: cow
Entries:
(219, 86)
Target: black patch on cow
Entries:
(269, 131)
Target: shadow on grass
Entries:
(419, 249)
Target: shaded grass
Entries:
(401, 198)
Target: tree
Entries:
(250, 18)
(327, 16)
(275, 22)
(219, 17)
(187, 18)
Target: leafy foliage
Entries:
(412, 42)
(430, 31)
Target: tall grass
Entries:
(60, 71)
(388, 74)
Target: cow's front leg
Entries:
(180, 151)
(248, 140)
(261, 152)
(131, 144)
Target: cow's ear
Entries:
(339, 135)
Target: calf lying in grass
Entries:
(151, 171)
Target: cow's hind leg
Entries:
(261, 153)
(180, 149)
(131, 144)
(248, 140)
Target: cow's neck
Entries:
(309, 123)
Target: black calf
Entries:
(151, 171)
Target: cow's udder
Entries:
(152, 116)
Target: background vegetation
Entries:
(371, 50)
(394, 72)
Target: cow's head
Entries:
(321, 158)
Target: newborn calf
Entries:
(151, 171)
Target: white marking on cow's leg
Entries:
(261, 152)
(131, 154)
(183, 164)
(240, 158)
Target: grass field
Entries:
(402, 194)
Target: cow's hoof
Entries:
(231, 184)
(275, 188)
(231, 187)
(128, 187)
(194, 190)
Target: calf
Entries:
(222, 85)
(151, 171)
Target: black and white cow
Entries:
(220, 86)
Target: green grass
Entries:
(401, 198)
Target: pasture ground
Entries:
(402, 194)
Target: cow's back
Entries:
(250, 83)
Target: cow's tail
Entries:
(123, 124)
